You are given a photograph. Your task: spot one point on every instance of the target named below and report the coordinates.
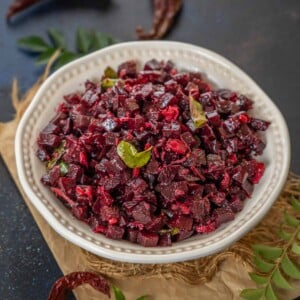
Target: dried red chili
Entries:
(19, 5)
(164, 14)
(73, 280)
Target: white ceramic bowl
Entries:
(220, 71)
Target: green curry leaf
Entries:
(118, 293)
(131, 157)
(108, 82)
(197, 113)
(57, 38)
(33, 44)
(110, 73)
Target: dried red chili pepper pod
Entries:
(73, 280)
(164, 14)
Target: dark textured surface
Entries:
(262, 37)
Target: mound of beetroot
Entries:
(153, 156)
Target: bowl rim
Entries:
(144, 258)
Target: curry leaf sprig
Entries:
(274, 265)
(86, 41)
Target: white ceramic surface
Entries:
(220, 71)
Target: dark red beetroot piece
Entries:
(196, 179)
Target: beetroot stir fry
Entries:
(152, 156)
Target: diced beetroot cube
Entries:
(182, 78)
(152, 166)
(170, 113)
(131, 105)
(127, 69)
(222, 215)
(152, 64)
(84, 193)
(138, 185)
(236, 204)
(165, 240)
(141, 212)
(52, 177)
(248, 187)
(258, 124)
(259, 171)
(156, 224)
(182, 235)
(206, 228)
(171, 85)
(183, 223)
(80, 212)
(114, 232)
(51, 128)
(176, 146)
(147, 239)
(172, 129)
(109, 212)
(213, 118)
(200, 207)
(132, 235)
(81, 122)
(67, 185)
(49, 140)
(104, 196)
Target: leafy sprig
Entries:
(274, 265)
(86, 41)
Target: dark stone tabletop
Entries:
(262, 37)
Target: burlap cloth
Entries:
(220, 276)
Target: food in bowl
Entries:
(152, 156)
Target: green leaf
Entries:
(83, 40)
(65, 58)
(56, 156)
(101, 40)
(44, 57)
(144, 297)
(252, 294)
(295, 203)
(172, 231)
(33, 44)
(284, 234)
(270, 295)
(267, 252)
(296, 248)
(108, 82)
(131, 157)
(64, 168)
(290, 220)
(262, 265)
(280, 281)
(118, 293)
(290, 268)
(258, 278)
(197, 113)
(110, 73)
(57, 38)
